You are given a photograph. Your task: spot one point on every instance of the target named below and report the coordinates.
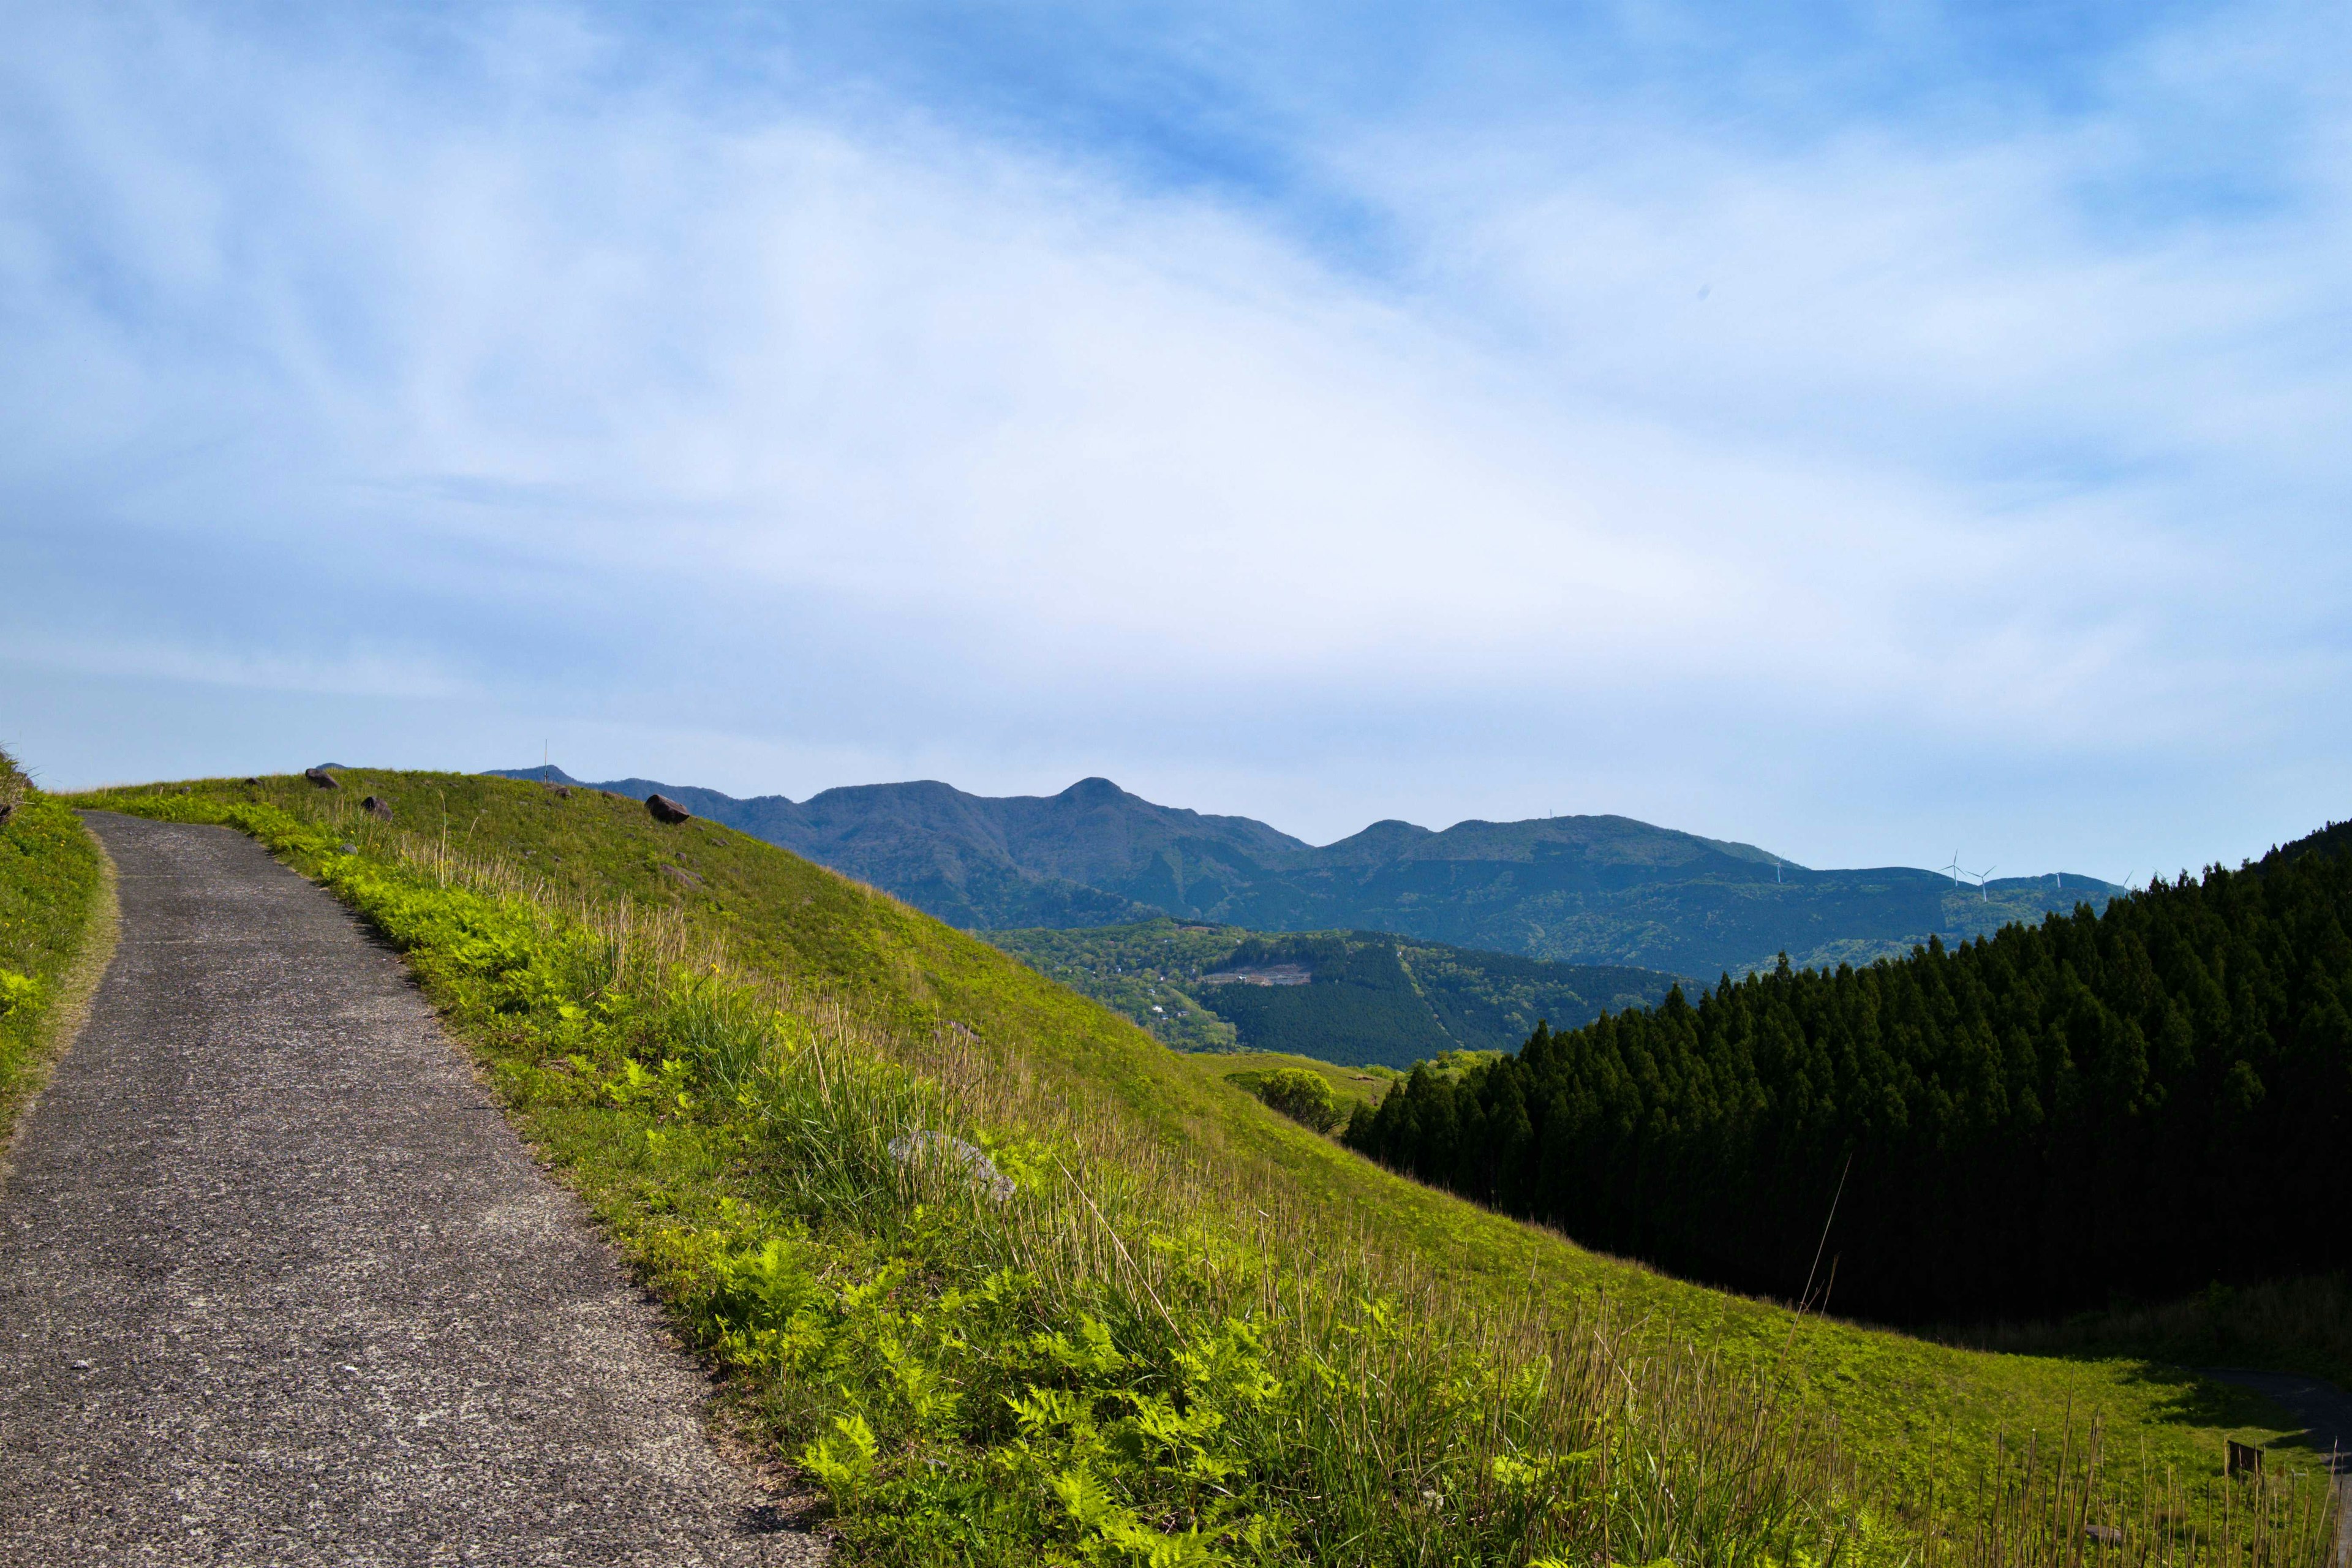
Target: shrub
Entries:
(1304, 1097)
(16, 991)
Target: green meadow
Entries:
(1010, 1282)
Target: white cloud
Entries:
(1937, 457)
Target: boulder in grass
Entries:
(253, 784)
(375, 806)
(321, 777)
(915, 1149)
(664, 809)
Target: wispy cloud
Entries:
(1798, 470)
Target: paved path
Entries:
(2325, 1410)
(278, 1285)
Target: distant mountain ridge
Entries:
(1584, 890)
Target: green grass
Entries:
(56, 924)
(1351, 1086)
(2284, 1325)
(717, 1041)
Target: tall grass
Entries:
(2047, 1509)
(1143, 1355)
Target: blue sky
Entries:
(1866, 431)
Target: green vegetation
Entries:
(1307, 1097)
(1195, 1331)
(1350, 1086)
(2300, 1325)
(1144, 971)
(2133, 1102)
(55, 926)
(1362, 997)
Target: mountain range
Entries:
(1583, 890)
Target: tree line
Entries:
(2106, 1106)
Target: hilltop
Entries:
(1577, 889)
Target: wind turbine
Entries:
(1980, 877)
(1953, 870)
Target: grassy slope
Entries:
(55, 931)
(1908, 1407)
(1354, 1085)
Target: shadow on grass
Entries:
(2306, 1419)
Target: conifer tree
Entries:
(2133, 1102)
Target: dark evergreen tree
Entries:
(2129, 1103)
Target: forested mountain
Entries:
(1582, 889)
(2131, 1102)
(1351, 997)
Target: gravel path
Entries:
(278, 1285)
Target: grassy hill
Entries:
(1350, 997)
(1580, 890)
(1196, 1332)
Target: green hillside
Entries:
(1146, 970)
(1194, 1332)
(1350, 997)
(1350, 1086)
